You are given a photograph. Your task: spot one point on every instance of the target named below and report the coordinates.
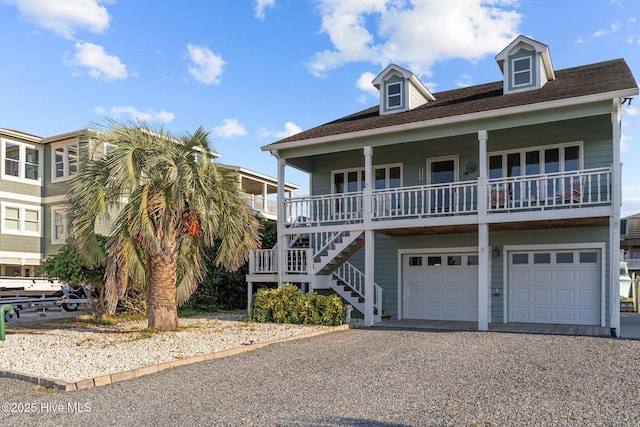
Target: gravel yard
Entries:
(77, 351)
(369, 377)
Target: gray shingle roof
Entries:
(602, 77)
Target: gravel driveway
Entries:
(368, 377)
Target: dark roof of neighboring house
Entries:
(602, 77)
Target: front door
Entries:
(442, 170)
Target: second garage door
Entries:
(440, 286)
(561, 286)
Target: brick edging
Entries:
(138, 372)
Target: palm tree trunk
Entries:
(162, 309)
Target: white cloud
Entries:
(290, 129)
(465, 80)
(418, 33)
(206, 66)
(230, 128)
(65, 17)
(100, 64)
(603, 32)
(364, 83)
(624, 142)
(147, 116)
(261, 5)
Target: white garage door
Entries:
(440, 286)
(562, 286)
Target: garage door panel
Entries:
(566, 295)
(562, 292)
(519, 276)
(455, 278)
(542, 276)
(434, 312)
(541, 296)
(434, 295)
(434, 278)
(564, 276)
(414, 294)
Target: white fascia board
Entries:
(453, 119)
(69, 135)
(258, 176)
(20, 135)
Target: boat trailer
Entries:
(69, 300)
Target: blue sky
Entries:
(255, 71)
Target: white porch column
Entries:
(264, 197)
(484, 249)
(614, 220)
(369, 258)
(484, 277)
(249, 296)
(282, 246)
(369, 239)
(368, 185)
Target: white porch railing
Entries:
(266, 261)
(426, 200)
(633, 263)
(327, 208)
(355, 279)
(549, 191)
(258, 203)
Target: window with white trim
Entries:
(521, 71)
(21, 162)
(64, 159)
(394, 95)
(59, 225)
(546, 159)
(352, 180)
(23, 220)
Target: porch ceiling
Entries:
(506, 226)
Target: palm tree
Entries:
(165, 200)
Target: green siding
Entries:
(514, 123)
(595, 133)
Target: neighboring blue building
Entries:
(492, 203)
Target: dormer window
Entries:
(394, 95)
(525, 64)
(521, 71)
(400, 90)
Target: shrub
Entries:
(289, 305)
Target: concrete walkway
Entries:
(630, 325)
(521, 328)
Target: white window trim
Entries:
(514, 72)
(360, 170)
(456, 162)
(54, 210)
(65, 174)
(21, 227)
(541, 149)
(399, 94)
(22, 162)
